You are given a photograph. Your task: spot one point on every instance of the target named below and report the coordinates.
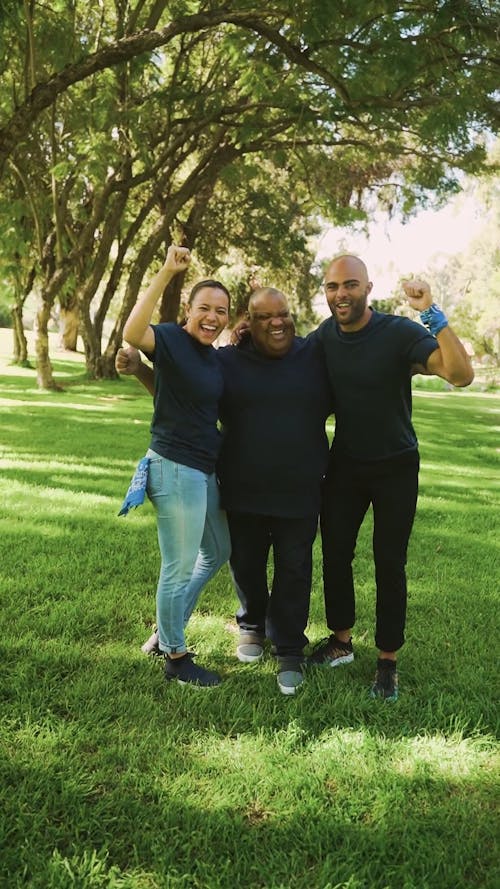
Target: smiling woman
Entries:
(207, 311)
(192, 528)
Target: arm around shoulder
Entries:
(128, 362)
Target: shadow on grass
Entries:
(265, 785)
(110, 770)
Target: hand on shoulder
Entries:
(128, 360)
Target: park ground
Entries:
(114, 778)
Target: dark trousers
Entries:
(391, 487)
(281, 614)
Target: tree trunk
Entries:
(21, 294)
(70, 323)
(108, 370)
(44, 373)
(20, 342)
(109, 354)
(171, 298)
(91, 345)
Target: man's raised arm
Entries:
(450, 360)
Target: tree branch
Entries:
(44, 94)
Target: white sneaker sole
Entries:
(194, 684)
(151, 645)
(347, 659)
(248, 658)
(289, 689)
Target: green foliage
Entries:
(5, 314)
(243, 132)
(468, 285)
(112, 778)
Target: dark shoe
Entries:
(152, 646)
(331, 652)
(386, 680)
(250, 647)
(187, 673)
(290, 675)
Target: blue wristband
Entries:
(434, 319)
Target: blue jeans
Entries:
(193, 538)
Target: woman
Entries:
(192, 529)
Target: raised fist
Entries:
(418, 294)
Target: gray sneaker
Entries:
(152, 646)
(250, 647)
(290, 675)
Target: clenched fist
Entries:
(128, 361)
(178, 259)
(418, 294)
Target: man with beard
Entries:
(374, 458)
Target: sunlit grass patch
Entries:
(112, 777)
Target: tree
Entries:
(473, 278)
(135, 116)
(467, 285)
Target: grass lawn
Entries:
(113, 778)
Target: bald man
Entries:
(374, 458)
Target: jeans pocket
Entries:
(155, 477)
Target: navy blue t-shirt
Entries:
(273, 411)
(188, 385)
(370, 373)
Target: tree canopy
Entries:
(124, 126)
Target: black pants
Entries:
(391, 486)
(282, 614)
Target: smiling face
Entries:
(347, 288)
(271, 326)
(207, 314)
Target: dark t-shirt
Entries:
(273, 410)
(370, 373)
(188, 385)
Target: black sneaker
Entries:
(385, 684)
(331, 652)
(187, 673)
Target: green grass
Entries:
(113, 778)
